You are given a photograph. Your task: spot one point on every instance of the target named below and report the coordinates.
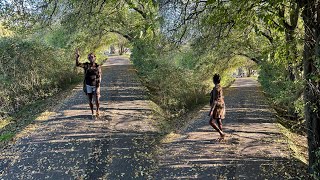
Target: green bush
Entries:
(179, 79)
(31, 70)
(286, 95)
(316, 165)
(173, 83)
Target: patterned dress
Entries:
(217, 103)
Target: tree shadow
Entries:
(253, 149)
(71, 145)
(82, 153)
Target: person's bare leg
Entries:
(97, 104)
(211, 122)
(219, 124)
(90, 102)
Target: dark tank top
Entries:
(92, 73)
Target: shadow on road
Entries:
(71, 145)
(253, 149)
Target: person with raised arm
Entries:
(92, 80)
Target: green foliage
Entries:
(178, 77)
(4, 32)
(173, 83)
(316, 165)
(6, 136)
(285, 95)
(59, 37)
(298, 104)
(31, 70)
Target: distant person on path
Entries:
(92, 79)
(217, 111)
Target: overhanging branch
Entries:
(127, 36)
(254, 59)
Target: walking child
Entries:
(217, 111)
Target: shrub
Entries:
(284, 93)
(173, 83)
(31, 70)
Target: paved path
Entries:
(69, 145)
(123, 143)
(254, 148)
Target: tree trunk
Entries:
(121, 49)
(291, 49)
(112, 49)
(291, 54)
(312, 86)
(249, 72)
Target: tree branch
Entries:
(127, 36)
(282, 17)
(254, 59)
(143, 14)
(102, 5)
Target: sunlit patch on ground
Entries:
(170, 137)
(45, 116)
(296, 143)
(5, 122)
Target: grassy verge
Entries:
(14, 124)
(169, 125)
(6, 136)
(296, 143)
(297, 167)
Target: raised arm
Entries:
(77, 58)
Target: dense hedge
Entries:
(31, 70)
(175, 77)
(285, 94)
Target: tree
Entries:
(311, 66)
(122, 43)
(91, 20)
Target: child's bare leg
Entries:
(219, 123)
(211, 122)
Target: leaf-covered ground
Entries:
(254, 148)
(124, 143)
(69, 144)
